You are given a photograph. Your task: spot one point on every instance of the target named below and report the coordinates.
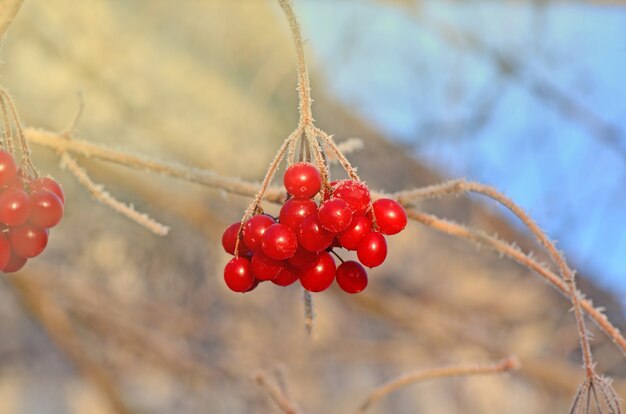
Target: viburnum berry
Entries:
(335, 215)
(355, 193)
(263, 267)
(237, 274)
(295, 210)
(302, 180)
(5, 250)
(28, 240)
(312, 236)
(303, 258)
(372, 249)
(390, 216)
(279, 242)
(14, 206)
(50, 184)
(46, 209)
(254, 229)
(350, 237)
(351, 277)
(8, 169)
(229, 240)
(320, 276)
(287, 276)
(15, 263)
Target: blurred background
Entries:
(523, 95)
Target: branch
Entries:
(8, 11)
(276, 394)
(505, 365)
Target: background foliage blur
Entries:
(112, 318)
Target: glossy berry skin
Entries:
(295, 210)
(15, 263)
(237, 274)
(50, 184)
(390, 216)
(335, 215)
(27, 240)
(286, 277)
(303, 258)
(312, 236)
(254, 285)
(350, 237)
(372, 249)
(320, 276)
(46, 209)
(355, 193)
(264, 268)
(302, 180)
(254, 229)
(229, 240)
(8, 169)
(5, 250)
(14, 206)
(351, 277)
(279, 242)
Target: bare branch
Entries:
(276, 394)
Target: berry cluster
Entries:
(28, 208)
(298, 245)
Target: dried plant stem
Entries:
(460, 231)
(281, 399)
(505, 365)
(8, 11)
(327, 139)
(101, 195)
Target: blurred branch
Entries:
(8, 11)
(505, 365)
(277, 394)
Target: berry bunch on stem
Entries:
(29, 205)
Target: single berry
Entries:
(229, 240)
(15, 263)
(355, 193)
(335, 215)
(302, 180)
(351, 277)
(351, 236)
(46, 209)
(319, 276)
(303, 258)
(279, 242)
(295, 210)
(50, 184)
(312, 236)
(254, 229)
(286, 277)
(390, 216)
(237, 274)
(264, 268)
(14, 206)
(27, 240)
(254, 285)
(5, 250)
(8, 169)
(372, 249)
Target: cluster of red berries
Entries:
(299, 244)
(28, 208)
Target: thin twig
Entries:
(282, 401)
(505, 365)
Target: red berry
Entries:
(27, 240)
(254, 285)
(14, 206)
(286, 277)
(5, 250)
(229, 239)
(237, 274)
(335, 215)
(295, 210)
(351, 277)
(303, 258)
(254, 229)
(8, 169)
(302, 180)
(355, 193)
(264, 268)
(351, 237)
(390, 216)
(50, 184)
(46, 209)
(372, 249)
(319, 276)
(279, 242)
(15, 263)
(312, 235)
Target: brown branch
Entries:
(276, 394)
(505, 365)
